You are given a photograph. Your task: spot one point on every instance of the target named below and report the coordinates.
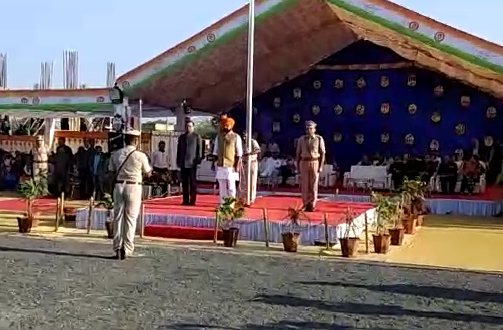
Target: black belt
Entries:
(128, 182)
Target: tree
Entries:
(205, 129)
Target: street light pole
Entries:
(249, 95)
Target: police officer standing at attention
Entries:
(310, 158)
(129, 166)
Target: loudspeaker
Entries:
(115, 141)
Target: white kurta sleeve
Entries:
(239, 146)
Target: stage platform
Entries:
(487, 204)
(168, 218)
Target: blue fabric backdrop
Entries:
(456, 126)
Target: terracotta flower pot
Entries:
(349, 246)
(24, 224)
(381, 243)
(290, 241)
(419, 221)
(397, 235)
(230, 237)
(409, 224)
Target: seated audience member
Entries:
(415, 168)
(287, 170)
(269, 166)
(471, 171)
(448, 175)
(377, 160)
(9, 179)
(396, 169)
(365, 161)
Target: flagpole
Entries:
(249, 95)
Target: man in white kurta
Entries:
(228, 150)
(130, 165)
(252, 157)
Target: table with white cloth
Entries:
(367, 177)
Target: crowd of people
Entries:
(464, 166)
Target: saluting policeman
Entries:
(310, 158)
(129, 166)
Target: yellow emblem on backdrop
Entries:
(277, 102)
(465, 101)
(434, 145)
(385, 108)
(315, 109)
(339, 83)
(296, 118)
(460, 129)
(338, 110)
(409, 139)
(297, 93)
(384, 81)
(412, 108)
(384, 137)
(436, 117)
(491, 112)
(359, 138)
(411, 80)
(317, 84)
(438, 91)
(360, 110)
(337, 137)
(361, 83)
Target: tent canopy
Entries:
(56, 103)
(209, 69)
(62, 103)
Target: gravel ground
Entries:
(72, 285)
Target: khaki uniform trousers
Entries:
(309, 175)
(40, 172)
(243, 181)
(127, 205)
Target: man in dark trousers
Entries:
(188, 156)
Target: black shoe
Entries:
(122, 254)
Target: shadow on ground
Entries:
(422, 291)
(55, 253)
(285, 325)
(373, 310)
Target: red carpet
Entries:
(276, 206)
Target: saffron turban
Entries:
(227, 122)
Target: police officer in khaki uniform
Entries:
(310, 158)
(129, 166)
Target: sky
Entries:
(129, 32)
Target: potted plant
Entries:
(414, 191)
(349, 243)
(108, 203)
(291, 235)
(30, 190)
(230, 210)
(385, 209)
(397, 231)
